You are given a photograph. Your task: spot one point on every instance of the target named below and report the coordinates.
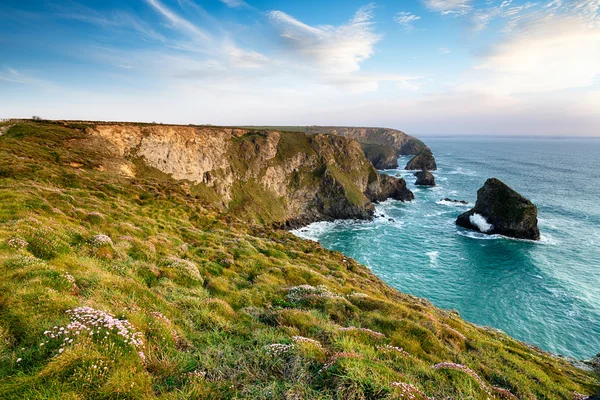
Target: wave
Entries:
(462, 171)
(452, 203)
(544, 239)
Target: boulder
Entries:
(501, 210)
(423, 161)
(449, 200)
(389, 187)
(425, 178)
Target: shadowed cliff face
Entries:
(286, 178)
(382, 146)
(402, 143)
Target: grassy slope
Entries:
(208, 294)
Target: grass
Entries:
(218, 303)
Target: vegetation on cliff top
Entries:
(131, 288)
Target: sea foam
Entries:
(481, 223)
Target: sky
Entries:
(427, 67)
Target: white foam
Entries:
(478, 235)
(452, 203)
(462, 171)
(481, 223)
(433, 255)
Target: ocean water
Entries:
(546, 293)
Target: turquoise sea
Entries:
(545, 293)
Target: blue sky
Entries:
(423, 66)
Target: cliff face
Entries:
(423, 161)
(382, 146)
(287, 178)
(402, 143)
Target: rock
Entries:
(382, 157)
(425, 178)
(454, 201)
(389, 187)
(423, 161)
(501, 210)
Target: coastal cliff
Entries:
(286, 178)
(382, 146)
(160, 294)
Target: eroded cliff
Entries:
(286, 178)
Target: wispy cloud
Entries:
(449, 7)
(406, 20)
(177, 21)
(234, 3)
(342, 48)
(11, 75)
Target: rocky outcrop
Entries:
(449, 200)
(389, 187)
(424, 178)
(382, 157)
(423, 161)
(501, 210)
(285, 178)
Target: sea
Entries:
(546, 293)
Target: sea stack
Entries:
(423, 161)
(501, 210)
(425, 178)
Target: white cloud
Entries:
(177, 21)
(234, 3)
(546, 47)
(406, 19)
(448, 7)
(444, 50)
(245, 58)
(340, 48)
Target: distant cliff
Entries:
(285, 178)
(382, 146)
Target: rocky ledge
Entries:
(425, 178)
(423, 161)
(501, 210)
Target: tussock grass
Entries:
(215, 300)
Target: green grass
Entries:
(209, 295)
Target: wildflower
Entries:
(364, 330)
(19, 360)
(458, 367)
(186, 266)
(100, 240)
(337, 356)
(358, 295)
(299, 293)
(302, 339)
(86, 318)
(389, 348)
(278, 349)
(17, 243)
(408, 391)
